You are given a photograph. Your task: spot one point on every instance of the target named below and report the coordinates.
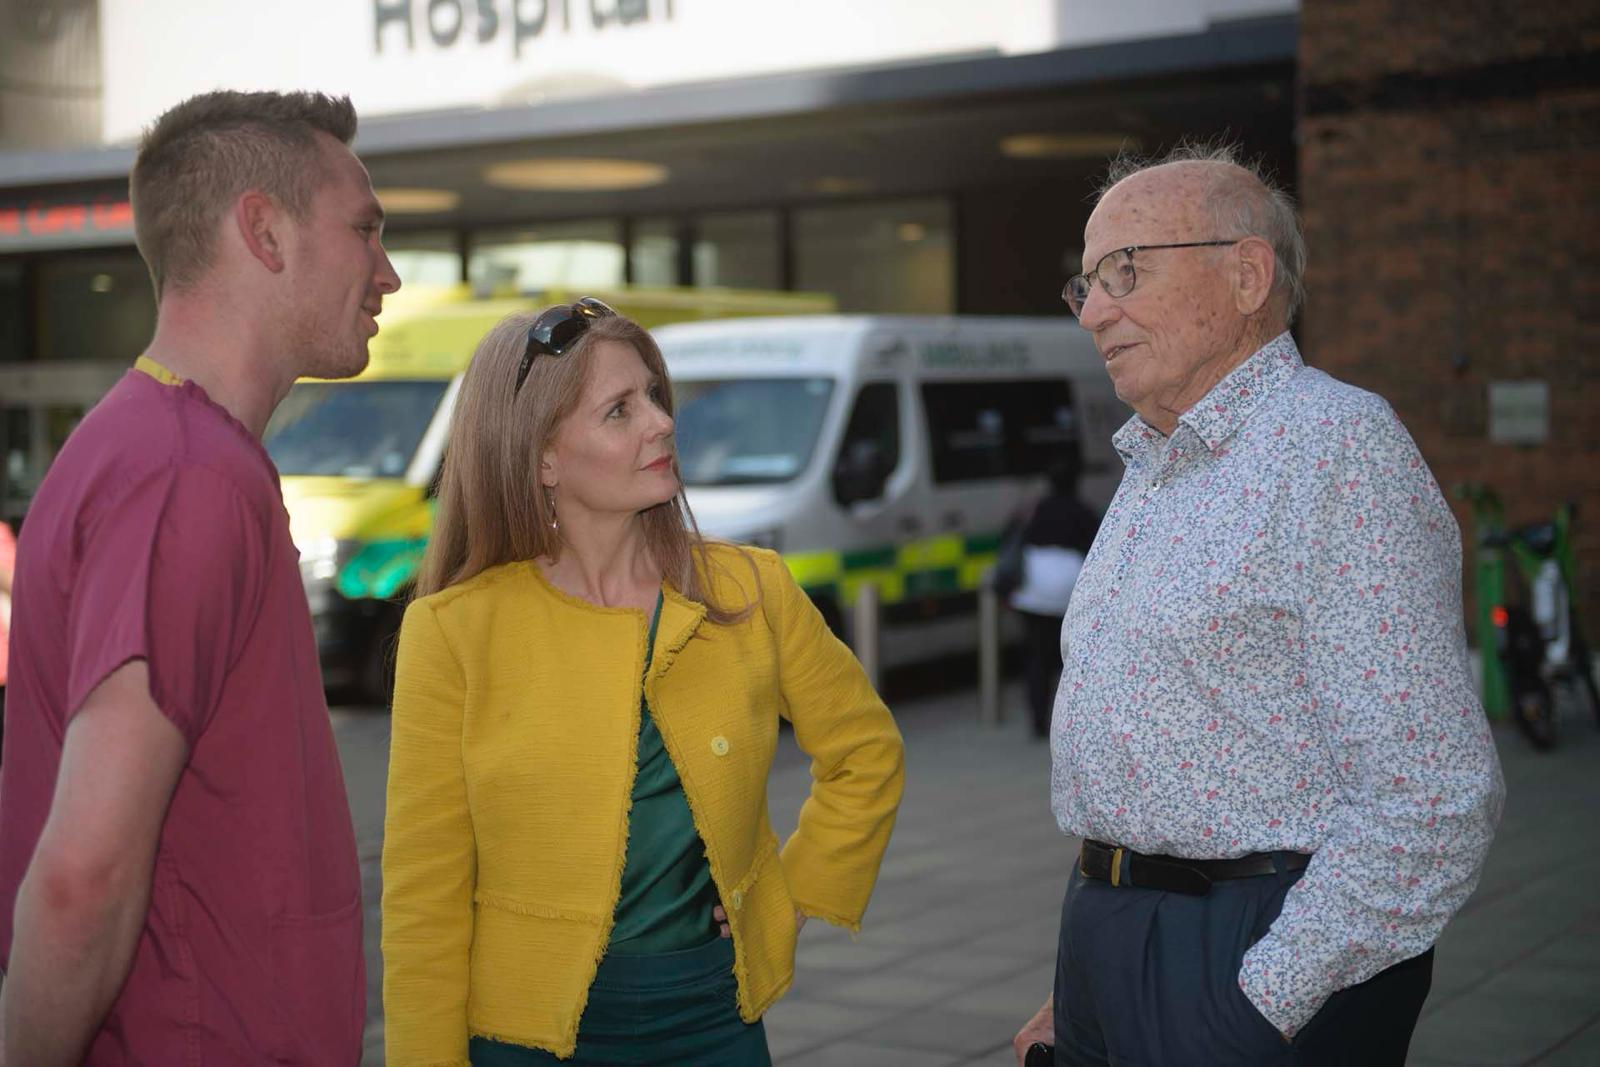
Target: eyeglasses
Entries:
(1116, 274)
(558, 329)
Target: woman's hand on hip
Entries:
(721, 918)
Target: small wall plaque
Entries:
(1519, 412)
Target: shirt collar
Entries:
(1229, 403)
(1134, 437)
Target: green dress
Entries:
(667, 892)
(665, 991)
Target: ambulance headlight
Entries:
(321, 559)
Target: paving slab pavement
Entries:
(958, 946)
(958, 950)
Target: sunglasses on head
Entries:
(557, 330)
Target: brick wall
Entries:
(1450, 182)
(1360, 39)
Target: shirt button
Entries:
(1154, 486)
(719, 747)
(736, 898)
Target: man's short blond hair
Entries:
(200, 156)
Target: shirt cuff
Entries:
(1286, 1000)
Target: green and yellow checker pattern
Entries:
(916, 570)
(930, 567)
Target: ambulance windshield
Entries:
(748, 431)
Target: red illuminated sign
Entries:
(42, 224)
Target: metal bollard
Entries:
(864, 631)
(990, 713)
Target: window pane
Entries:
(96, 307)
(889, 256)
(655, 252)
(737, 250)
(1042, 424)
(748, 430)
(11, 313)
(997, 429)
(556, 255)
(19, 477)
(424, 258)
(870, 450)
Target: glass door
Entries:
(40, 406)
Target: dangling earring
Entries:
(550, 498)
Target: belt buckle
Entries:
(1116, 866)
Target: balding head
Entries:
(1175, 192)
(1238, 199)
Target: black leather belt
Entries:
(1122, 866)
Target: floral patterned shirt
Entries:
(1265, 651)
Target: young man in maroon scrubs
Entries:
(178, 877)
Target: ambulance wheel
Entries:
(374, 681)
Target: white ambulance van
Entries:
(885, 449)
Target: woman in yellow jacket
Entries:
(577, 857)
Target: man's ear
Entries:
(262, 226)
(1257, 266)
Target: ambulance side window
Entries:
(983, 430)
(871, 448)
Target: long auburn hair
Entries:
(492, 508)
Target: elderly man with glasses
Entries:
(1266, 733)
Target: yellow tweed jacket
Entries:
(516, 720)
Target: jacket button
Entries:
(736, 898)
(719, 746)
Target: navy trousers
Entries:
(1148, 977)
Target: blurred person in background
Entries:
(1054, 542)
(577, 857)
(178, 877)
(1266, 733)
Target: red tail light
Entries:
(1498, 616)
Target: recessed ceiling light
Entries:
(411, 201)
(832, 185)
(1066, 145)
(575, 175)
